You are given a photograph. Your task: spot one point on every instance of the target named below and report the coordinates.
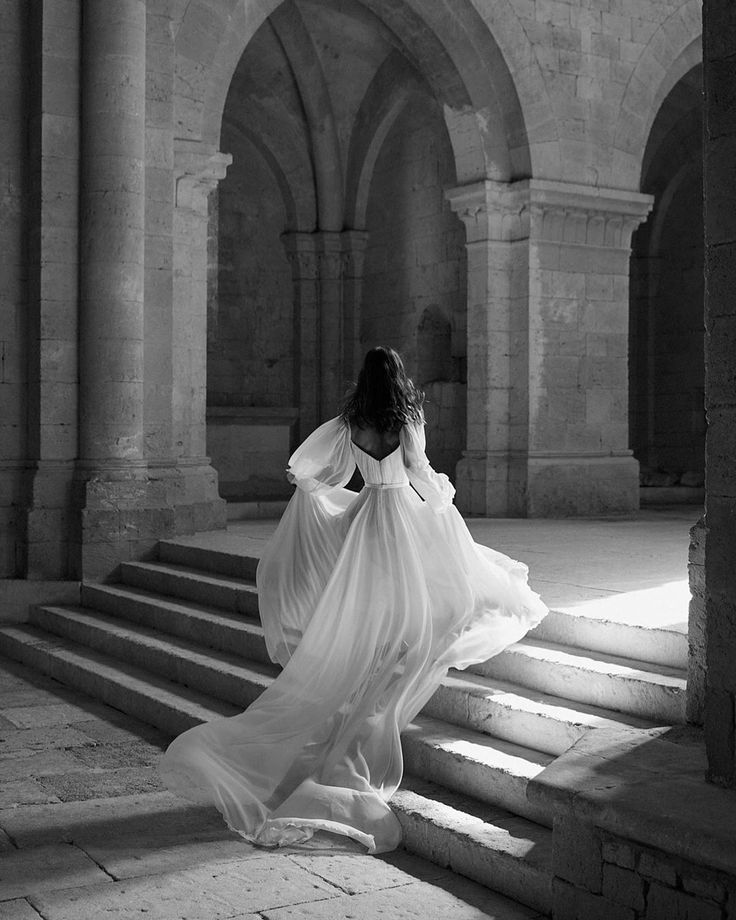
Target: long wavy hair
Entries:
(384, 397)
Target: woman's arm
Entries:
(435, 488)
(324, 460)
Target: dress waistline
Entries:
(386, 485)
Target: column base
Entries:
(575, 485)
(123, 512)
(47, 520)
(523, 485)
(491, 484)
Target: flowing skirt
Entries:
(366, 601)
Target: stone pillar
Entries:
(197, 170)
(491, 477)
(354, 245)
(580, 461)
(53, 295)
(112, 219)
(111, 466)
(720, 392)
(331, 325)
(303, 253)
(548, 313)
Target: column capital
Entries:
(586, 215)
(197, 170)
(492, 210)
(549, 210)
(302, 250)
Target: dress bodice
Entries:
(388, 472)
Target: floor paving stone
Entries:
(19, 742)
(6, 844)
(18, 909)
(122, 816)
(47, 868)
(214, 892)
(80, 785)
(417, 901)
(137, 856)
(24, 792)
(51, 714)
(40, 764)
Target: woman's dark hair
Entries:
(384, 398)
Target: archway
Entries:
(346, 124)
(667, 417)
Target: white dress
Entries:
(366, 600)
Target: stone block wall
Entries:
(251, 351)
(415, 263)
(609, 877)
(720, 396)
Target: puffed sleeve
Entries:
(435, 488)
(324, 460)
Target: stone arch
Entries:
(673, 50)
(667, 419)
(300, 52)
(483, 114)
(389, 92)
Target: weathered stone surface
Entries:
(669, 904)
(46, 868)
(214, 892)
(14, 793)
(577, 854)
(18, 909)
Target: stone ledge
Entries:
(647, 786)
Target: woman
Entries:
(366, 600)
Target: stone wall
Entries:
(415, 270)
(720, 396)
(251, 353)
(603, 875)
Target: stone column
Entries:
(112, 223)
(111, 467)
(720, 391)
(197, 170)
(579, 248)
(491, 476)
(548, 313)
(303, 253)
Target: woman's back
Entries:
(377, 444)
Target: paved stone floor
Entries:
(87, 832)
(629, 569)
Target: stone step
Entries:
(504, 852)
(658, 645)
(219, 674)
(215, 561)
(622, 684)
(174, 580)
(492, 771)
(153, 699)
(208, 626)
(510, 712)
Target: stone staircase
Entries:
(178, 641)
